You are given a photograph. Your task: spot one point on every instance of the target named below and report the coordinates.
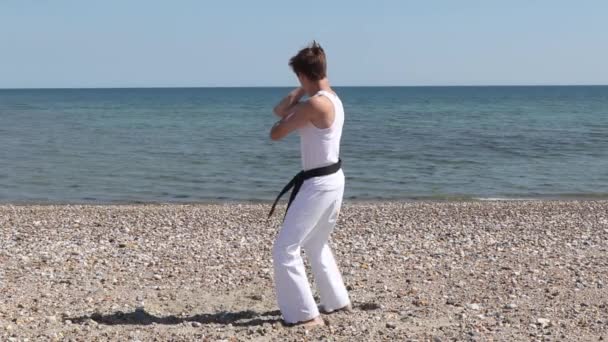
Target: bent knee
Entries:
(284, 253)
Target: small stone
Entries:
(158, 277)
(436, 339)
(257, 297)
(544, 322)
(511, 306)
(197, 324)
(391, 325)
(474, 306)
(51, 319)
(369, 306)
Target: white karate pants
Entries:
(308, 224)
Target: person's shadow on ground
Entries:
(141, 317)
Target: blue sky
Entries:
(133, 43)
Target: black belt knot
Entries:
(297, 181)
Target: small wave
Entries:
(548, 197)
(502, 199)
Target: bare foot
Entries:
(315, 322)
(346, 308)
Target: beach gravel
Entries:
(418, 271)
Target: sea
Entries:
(201, 145)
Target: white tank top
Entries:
(321, 147)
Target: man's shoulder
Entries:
(320, 104)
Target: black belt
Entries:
(298, 180)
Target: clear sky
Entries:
(136, 43)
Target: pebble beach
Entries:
(416, 271)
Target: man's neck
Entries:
(318, 86)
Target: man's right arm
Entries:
(287, 104)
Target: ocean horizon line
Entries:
(291, 86)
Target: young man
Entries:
(317, 195)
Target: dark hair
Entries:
(310, 62)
